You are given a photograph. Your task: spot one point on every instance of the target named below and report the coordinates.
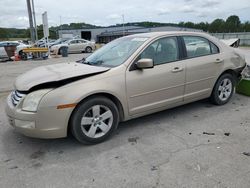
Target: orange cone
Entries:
(17, 57)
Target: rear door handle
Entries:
(218, 60)
(177, 69)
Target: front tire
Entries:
(223, 89)
(94, 120)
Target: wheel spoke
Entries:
(221, 95)
(92, 131)
(220, 88)
(224, 95)
(225, 82)
(106, 115)
(227, 94)
(86, 121)
(96, 110)
(104, 127)
(229, 86)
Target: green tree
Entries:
(217, 26)
(3, 33)
(189, 25)
(233, 23)
(203, 26)
(246, 27)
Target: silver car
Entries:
(130, 77)
(74, 46)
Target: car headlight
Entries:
(32, 100)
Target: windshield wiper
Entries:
(99, 62)
(83, 61)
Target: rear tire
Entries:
(60, 51)
(88, 49)
(94, 120)
(223, 89)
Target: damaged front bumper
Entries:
(45, 123)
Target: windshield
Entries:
(116, 52)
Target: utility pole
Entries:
(60, 26)
(123, 29)
(34, 17)
(32, 29)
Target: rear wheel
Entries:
(88, 49)
(94, 120)
(223, 89)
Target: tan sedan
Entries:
(130, 77)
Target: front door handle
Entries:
(177, 69)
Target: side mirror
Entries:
(144, 64)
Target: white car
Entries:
(19, 47)
(75, 45)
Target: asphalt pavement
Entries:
(197, 145)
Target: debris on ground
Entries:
(246, 153)
(207, 133)
(7, 160)
(60, 152)
(37, 154)
(154, 168)
(13, 167)
(133, 140)
(226, 134)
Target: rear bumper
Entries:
(238, 71)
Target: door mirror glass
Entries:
(145, 64)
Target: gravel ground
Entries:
(195, 145)
(166, 149)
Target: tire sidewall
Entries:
(215, 94)
(75, 121)
(88, 49)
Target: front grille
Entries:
(16, 96)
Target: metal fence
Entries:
(243, 36)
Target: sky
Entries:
(13, 13)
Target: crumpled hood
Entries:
(55, 73)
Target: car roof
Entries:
(164, 33)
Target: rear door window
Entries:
(196, 46)
(214, 48)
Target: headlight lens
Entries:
(31, 101)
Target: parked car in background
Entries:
(42, 42)
(58, 41)
(19, 46)
(74, 46)
(129, 77)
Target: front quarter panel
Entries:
(111, 82)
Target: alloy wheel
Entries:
(225, 89)
(96, 121)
